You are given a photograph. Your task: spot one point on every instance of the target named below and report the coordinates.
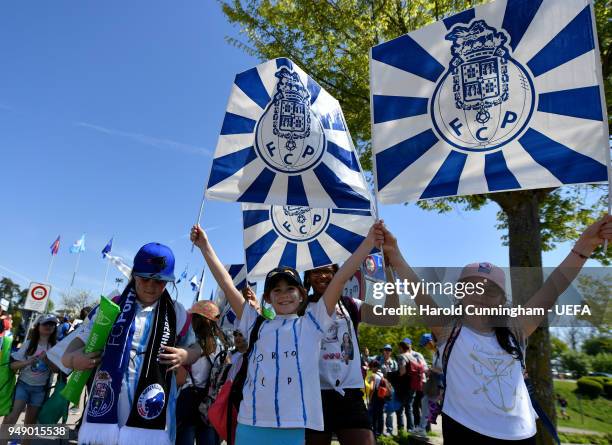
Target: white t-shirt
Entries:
(282, 388)
(485, 389)
(38, 372)
(200, 370)
(339, 360)
(143, 324)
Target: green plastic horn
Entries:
(105, 318)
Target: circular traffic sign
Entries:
(39, 293)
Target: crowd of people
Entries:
(170, 375)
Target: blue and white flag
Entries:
(238, 272)
(284, 141)
(107, 249)
(504, 96)
(183, 275)
(300, 237)
(195, 283)
(79, 245)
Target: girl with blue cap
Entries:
(133, 395)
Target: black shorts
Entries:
(343, 412)
(455, 433)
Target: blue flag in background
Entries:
(183, 276)
(195, 285)
(107, 249)
(79, 245)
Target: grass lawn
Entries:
(597, 413)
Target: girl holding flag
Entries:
(342, 382)
(281, 395)
(133, 396)
(478, 350)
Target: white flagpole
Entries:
(50, 267)
(201, 207)
(76, 267)
(604, 109)
(201, 288)
(376, 211)
(106, 273)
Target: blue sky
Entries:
(109, 115)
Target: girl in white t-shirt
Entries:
(34, 370)
(340, 374)
(281, 395)
(486, 399)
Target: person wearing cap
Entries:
(133, 395)
(433, 383)
(486, 399)
(411, 374)
(389, 369)
(282, 393)
(190, 425)
(34, 370)
(342, 376)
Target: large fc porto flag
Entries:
(300, 237)
(503, 96)
(284, 141)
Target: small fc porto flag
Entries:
(284, 141)
(55, 246)
(79, 245)
(504, 96)
(107, 249)
(300, 237)
(195, 284)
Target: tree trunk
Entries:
(525, 249)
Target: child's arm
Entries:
(560, 279)
(405, 272)
(223, 278)
(334, 289)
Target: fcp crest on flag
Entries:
(284, 141)
(503, 96)
(300, 237)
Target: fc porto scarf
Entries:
(147, 419)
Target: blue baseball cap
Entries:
(425, 338)
(388, 347)
(406, 341)
(154, 260)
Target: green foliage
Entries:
(590, 439)
(558, 347)
(608, 389)
(576, 362)
(602, 362)
(332, 39)
(597, 345)
(589, 387)
(595, 293)
(586, 414)
(375, 337)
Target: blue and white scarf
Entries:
(147, 420)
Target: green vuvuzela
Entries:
(103, 323)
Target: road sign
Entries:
(37, 298)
